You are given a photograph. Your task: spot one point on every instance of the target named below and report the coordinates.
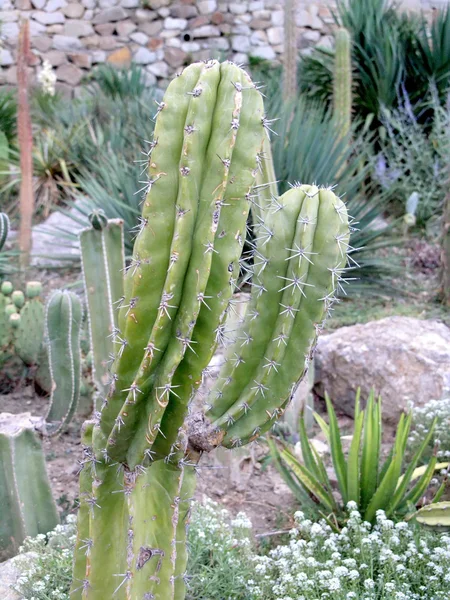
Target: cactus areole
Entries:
(144, 442)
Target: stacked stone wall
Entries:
(160, 35)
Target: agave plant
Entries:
(363, 476)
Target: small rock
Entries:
(220, 43)
(139, 38)
(11, 75)
(159, 69)
(258, 38)
(264, 52)
(278, 18)
(155, 43)
(275, 35)
(206, 31)
(257, 5)
(206, 7)
(155, 4)
(130, 3)
(171, 23)
(10, 16)
(39, 4)
(92, 41)
(55, 57)
(23, 4)
(124, 28)
(99, 56)
(115, 13)
(238, 9)
(217, 18)
(51, 29)
(37, 28)
(48, 18)
(311, 36)
(105, 28)
(198, 22)
(64, 42)
(53, 5)
(240, 43)
(144, 56)
(41, 43)
(74, 10)
(78, 28)
(175, 57)
(183, 11)
(152, 28)
(120, 58)
(69, 73)
(142, 15)
(10, 31)
(108, 42)
(260, 24)
(80, 59)
(6, 58)
(164, 12)
(88, 3)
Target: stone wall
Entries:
(161, 35)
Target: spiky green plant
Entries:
(142, 447)
(63, 316)
(363, 477)
(342, 82)
(25, 495)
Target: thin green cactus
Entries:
(63, 318)
(29, 335)
(103, 261)
(25, 495)
(342, 82)
(142, 446)
(4, 229)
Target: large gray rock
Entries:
(405, 360)
(9, 574)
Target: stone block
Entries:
(78, 28)
(217, 18)
(39, 4)
(175, 57)
(108, 15)
(124, 28)
(98, 56)
(69, 73)
(74, 10)
(144, 56)
(258, 38)
(238, 8)
(92, 41)
(64, 42)
(260, 24)
(155, 43)
(159, 69)
(108, 42)
(275, 35)
(205, 31)
(206, 7)
(35, 28)
(264, 52)
(47, 18)
(170, 23)
(6, 58)
(105, 28)
(53, 5)
(41, 43)
(23, 4)
(240, 43)
(52, 29)
(55, 57)
(130, 3)
(198, 22)
(142, 15)
(152, 28)
(277, 18)
(183, 11)
(80, 59)
(139, 38)
(10, 31)
(9, 16)
(120, 58)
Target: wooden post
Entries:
(25, 145)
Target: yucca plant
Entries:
(362, 476)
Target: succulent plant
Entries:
(29, 334)
(143, 444)
(25, 496)
(63, 318)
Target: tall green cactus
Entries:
(63, 318)
(103, 284)
(342, 82)
(27, 506)
(141, 448)
(29, 334)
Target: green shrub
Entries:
(422, 418)
(363, 476)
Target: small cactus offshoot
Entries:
(208, 166)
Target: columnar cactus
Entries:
(103, 262)
(25, 496)
(29, 334)
(342, 81)
(63, 318)
(142, 446)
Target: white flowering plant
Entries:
(363, 476)
(437, 411)
(383, 561)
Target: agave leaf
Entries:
(337, 453)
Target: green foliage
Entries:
(363, 476)
(124, 84)
(8, 115)
(435, 411)
(380, 562)
(414, 159)
(391, 51)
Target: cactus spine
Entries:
(142, 447)
(63, 325)
(342, 82)
(25, 496)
